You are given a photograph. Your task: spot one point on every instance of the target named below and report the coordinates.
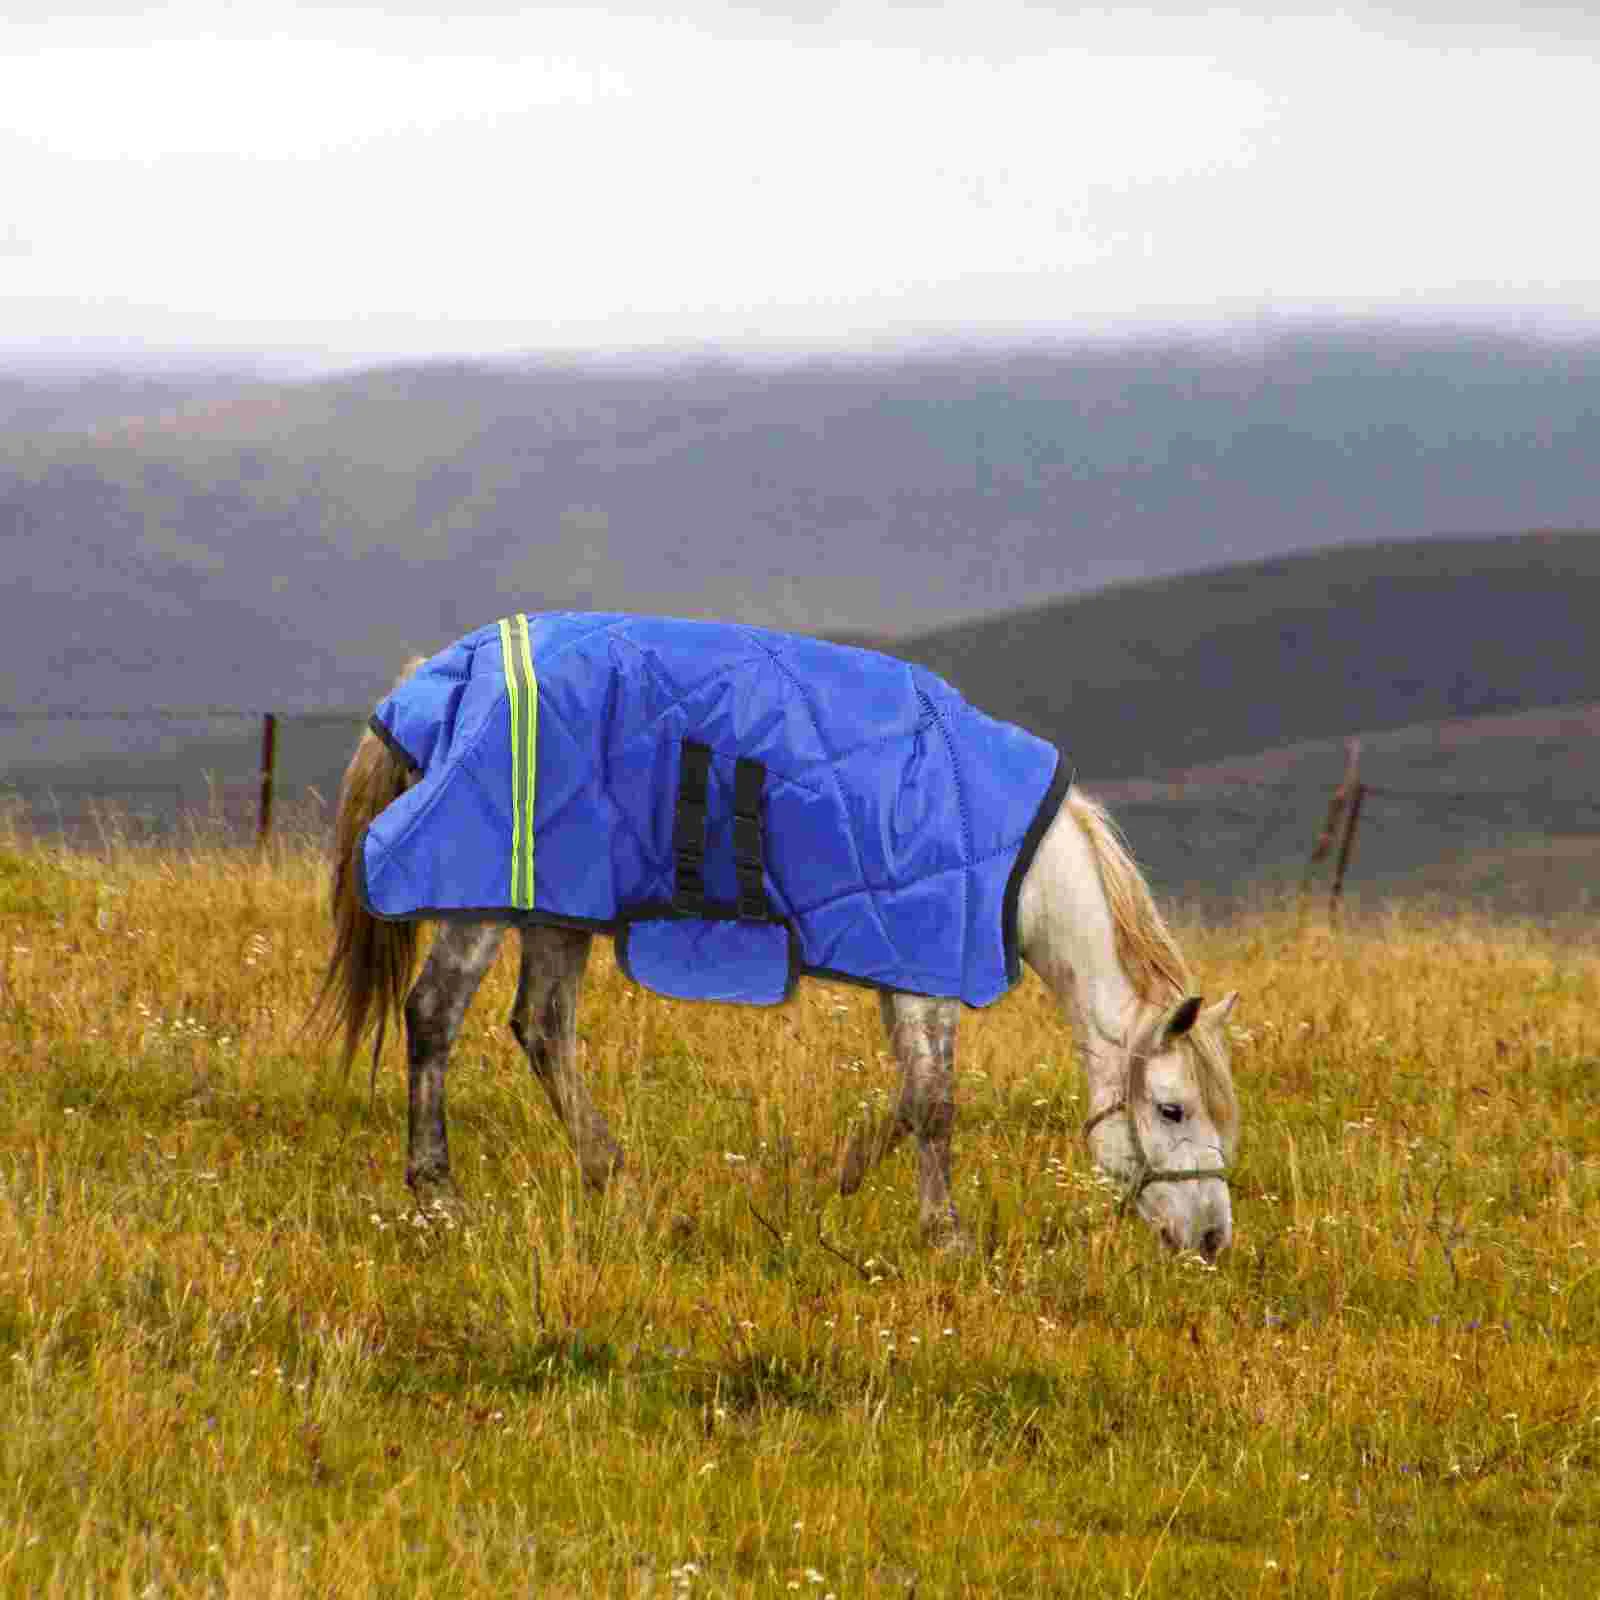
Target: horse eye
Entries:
(1170, 1111)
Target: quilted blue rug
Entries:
(737, 807)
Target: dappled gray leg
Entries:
(922, 1033)
(873, 1140)
(545, 1020)
(462, 952)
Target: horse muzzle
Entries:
(1195, 1216)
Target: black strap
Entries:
(749, 779)
(689, 830)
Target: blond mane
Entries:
(1147, 951)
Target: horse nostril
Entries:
(1212, 1242)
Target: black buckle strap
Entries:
(689, 834)
(749, 779)
(689, 830)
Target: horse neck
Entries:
(1067, 933)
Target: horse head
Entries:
(1171, 1134)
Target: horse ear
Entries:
(1183, 1019)
(1218, 1014)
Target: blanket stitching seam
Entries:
(838, 785)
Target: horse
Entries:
(1163, 1119)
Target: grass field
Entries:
(235, 1361)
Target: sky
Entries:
(376, 181)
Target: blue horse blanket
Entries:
(737, 807)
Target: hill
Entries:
(1212, 710)
(1144, 679)
(284, 543)
(81, 401)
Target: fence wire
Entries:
(78, 773)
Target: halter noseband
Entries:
(1146, 1174)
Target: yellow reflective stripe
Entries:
(522, 700)
(508, 662)
(530, 717)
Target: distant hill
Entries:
(1150, 678)
(1212, 710)
(285, 544)
(77, 402)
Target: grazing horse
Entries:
(619, 753)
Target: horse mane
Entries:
(1147, 951)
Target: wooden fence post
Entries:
(1346, 846)
(269, 757)
(1338, 812)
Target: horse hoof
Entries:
(435, 1193)
(625, 1197)
(949, 1239)
(854, 1168)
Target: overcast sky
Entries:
(374, 180)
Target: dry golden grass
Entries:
(235, 1361)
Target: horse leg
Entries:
(544, 1018)
(462, 952)
(922, 1032)
(873, 1141)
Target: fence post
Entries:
(269, 756)
(1338, 812)
(1346, 846)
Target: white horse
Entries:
(1163, 1120)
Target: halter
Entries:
(1146, 1174)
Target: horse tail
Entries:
(369, 972)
